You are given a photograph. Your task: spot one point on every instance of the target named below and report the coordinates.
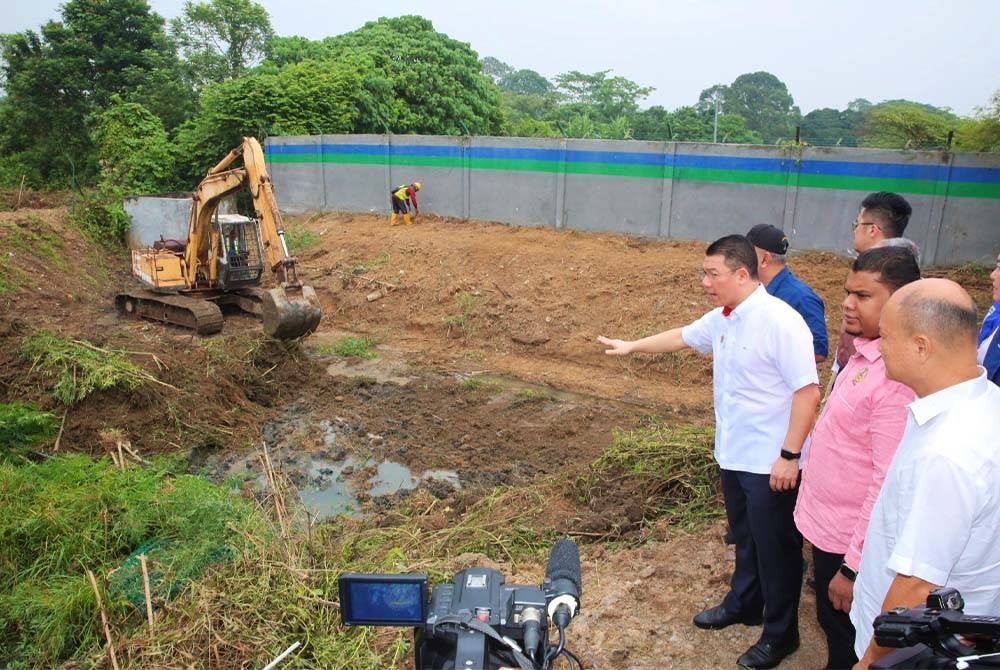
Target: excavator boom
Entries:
(223, 259)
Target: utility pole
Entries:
(715, 127)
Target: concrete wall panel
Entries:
(677, 190)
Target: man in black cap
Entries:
(771, 244)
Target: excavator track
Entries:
(202, 316)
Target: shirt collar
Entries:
(778, 279)
(926, 408)
(749, 304)
(868, 349)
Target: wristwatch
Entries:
(790, 455)
(848, 572)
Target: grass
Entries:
(69, 514)
(26, 237)
(23, 425)
(299, 240)
(79, 368)
(670, 469)
(362, 267)
(350, 346)
(465, 305)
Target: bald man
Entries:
(937, 518)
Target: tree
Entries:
(306, 98)
(221, 39)
(57, 79)
(652, 124)
(762, 100)
(611, 97)
(903, 124)
(416, 80)
(133, 152)
(828, 126)
(982, 132)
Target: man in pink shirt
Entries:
(852, 445)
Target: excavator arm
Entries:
(290, 311)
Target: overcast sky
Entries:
(944, 53)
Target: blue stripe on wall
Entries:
(830, 168)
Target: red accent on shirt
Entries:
(726, 311)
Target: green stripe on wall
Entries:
(760, 178)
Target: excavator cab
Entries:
(240, 262)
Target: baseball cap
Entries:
(769, 238)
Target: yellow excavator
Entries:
(223, 259)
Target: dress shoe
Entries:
(765, 655)
(718, 617)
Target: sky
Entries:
(943, 53)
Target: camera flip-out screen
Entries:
(383, 600)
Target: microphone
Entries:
(562, 582)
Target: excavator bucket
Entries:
(291, 312)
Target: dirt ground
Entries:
(445, 301)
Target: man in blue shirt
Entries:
(988, 354)
(771, 245)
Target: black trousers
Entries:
(835, 624)
(768, 574)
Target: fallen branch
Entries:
(61, 427)
(104, 619)
(146, 590)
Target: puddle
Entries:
(312, 454)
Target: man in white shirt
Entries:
(937, 518)
(766, 392)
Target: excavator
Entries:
(223, 259)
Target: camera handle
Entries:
(490, 632)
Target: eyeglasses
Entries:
(855, 224)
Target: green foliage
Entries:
(57, 79)
(520, 82)
(351, 346)
(133, 151)
(23, 426)
(221, 39)
(102, 216)
(981, 133)
(829, 127)
(762, 100)
(610, 97)
(27, 235)
(902, 124)
(71, 513)
(303, 98)
(415, 79)
(78, 368)
(670, 468)
(298, 240)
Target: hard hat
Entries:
(417, 185)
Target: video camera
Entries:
(929, 635)
(477, 621)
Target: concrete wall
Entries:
(663, 189)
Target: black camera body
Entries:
(479, 595)
(476, 621)
(927, 635)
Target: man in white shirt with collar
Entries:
(937, 518)
(766, 393)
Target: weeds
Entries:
(669, 468)
(359, 347)
(299, 240)
(465, 304)
(79, 368)
(362, 267)
(72, 513)
(23, 426)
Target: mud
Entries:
(487, 373)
